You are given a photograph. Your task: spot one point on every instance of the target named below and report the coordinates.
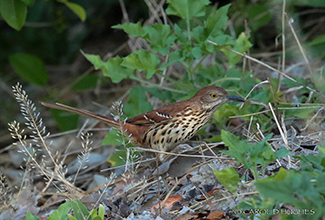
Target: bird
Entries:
(166, 127)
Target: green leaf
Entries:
(80, 211)
(187, 9)
(71, 217)
(258, 16)
(29, 216)
(138, 102)
(116, 160)
(113, 138)
(242, 45)
(134, 30)
(14, 12)
(30, 68)
(321, 149)
(229, 178)
(114, 70)
(216, 22)
(142, 60)
(61, 212)
(77, 9)
(101, 211)
(65, 120)
(174, 56)
(95, 60)
(160, 36)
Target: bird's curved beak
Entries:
(235, 98)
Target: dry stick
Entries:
(268, 66)
(281, 132)
(283, 43)
(124, 12)
(309, 122)
(300, 47)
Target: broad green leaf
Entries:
(138, 102)
(79, 210)
(65, 120)
(258, 16)
(187, 9)
(114, 70)
(113, 138)
(14, 12)
(229, 178)
(116, 159)
(93, 213)
(160, 36)
(142, 60)
(29, 216)
(77, 9)
(101, 211)
(71, 217)
(61, 212)
(279, 190)
(216, 22)
(320, 40)
(30, 68)
(133, 29)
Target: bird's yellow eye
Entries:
(213, 95)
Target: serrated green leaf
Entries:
(65, 120)
(94, 59)
(142, 60)
(97, 218)
(134, 30)
(79, 210)
(160, 36)
(77, 9)
(61, 212)
(229, 178)
(187, 9)
(29, 216)
(114, 70)
(14, 12)
(242, 45)
(30, 68)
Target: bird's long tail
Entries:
(111, 122)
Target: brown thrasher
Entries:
(166, 127)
